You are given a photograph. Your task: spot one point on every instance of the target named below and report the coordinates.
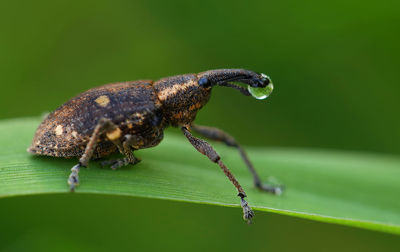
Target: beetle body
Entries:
(132, 115)
(139, 108)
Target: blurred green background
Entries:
(335, 68)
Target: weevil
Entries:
(129, 116)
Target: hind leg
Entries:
(103, 126)
(219, 135)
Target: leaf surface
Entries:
(339, 187)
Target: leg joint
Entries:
(242, 195)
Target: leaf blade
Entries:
(344, 188)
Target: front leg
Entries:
(219, 135)
(205, 148)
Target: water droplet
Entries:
(261, 93)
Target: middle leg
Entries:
(126, 149)
(206, 149)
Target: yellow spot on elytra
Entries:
(59, 130)
(103, 100)
(75, 134)
(130, 126)
(170, 91)
(115, 134)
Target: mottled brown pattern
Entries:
(131, 103)
(139, 108)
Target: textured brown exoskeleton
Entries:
(129, 116)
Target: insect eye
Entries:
(204, 82)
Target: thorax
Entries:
(181, 98)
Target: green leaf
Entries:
(346, 188)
